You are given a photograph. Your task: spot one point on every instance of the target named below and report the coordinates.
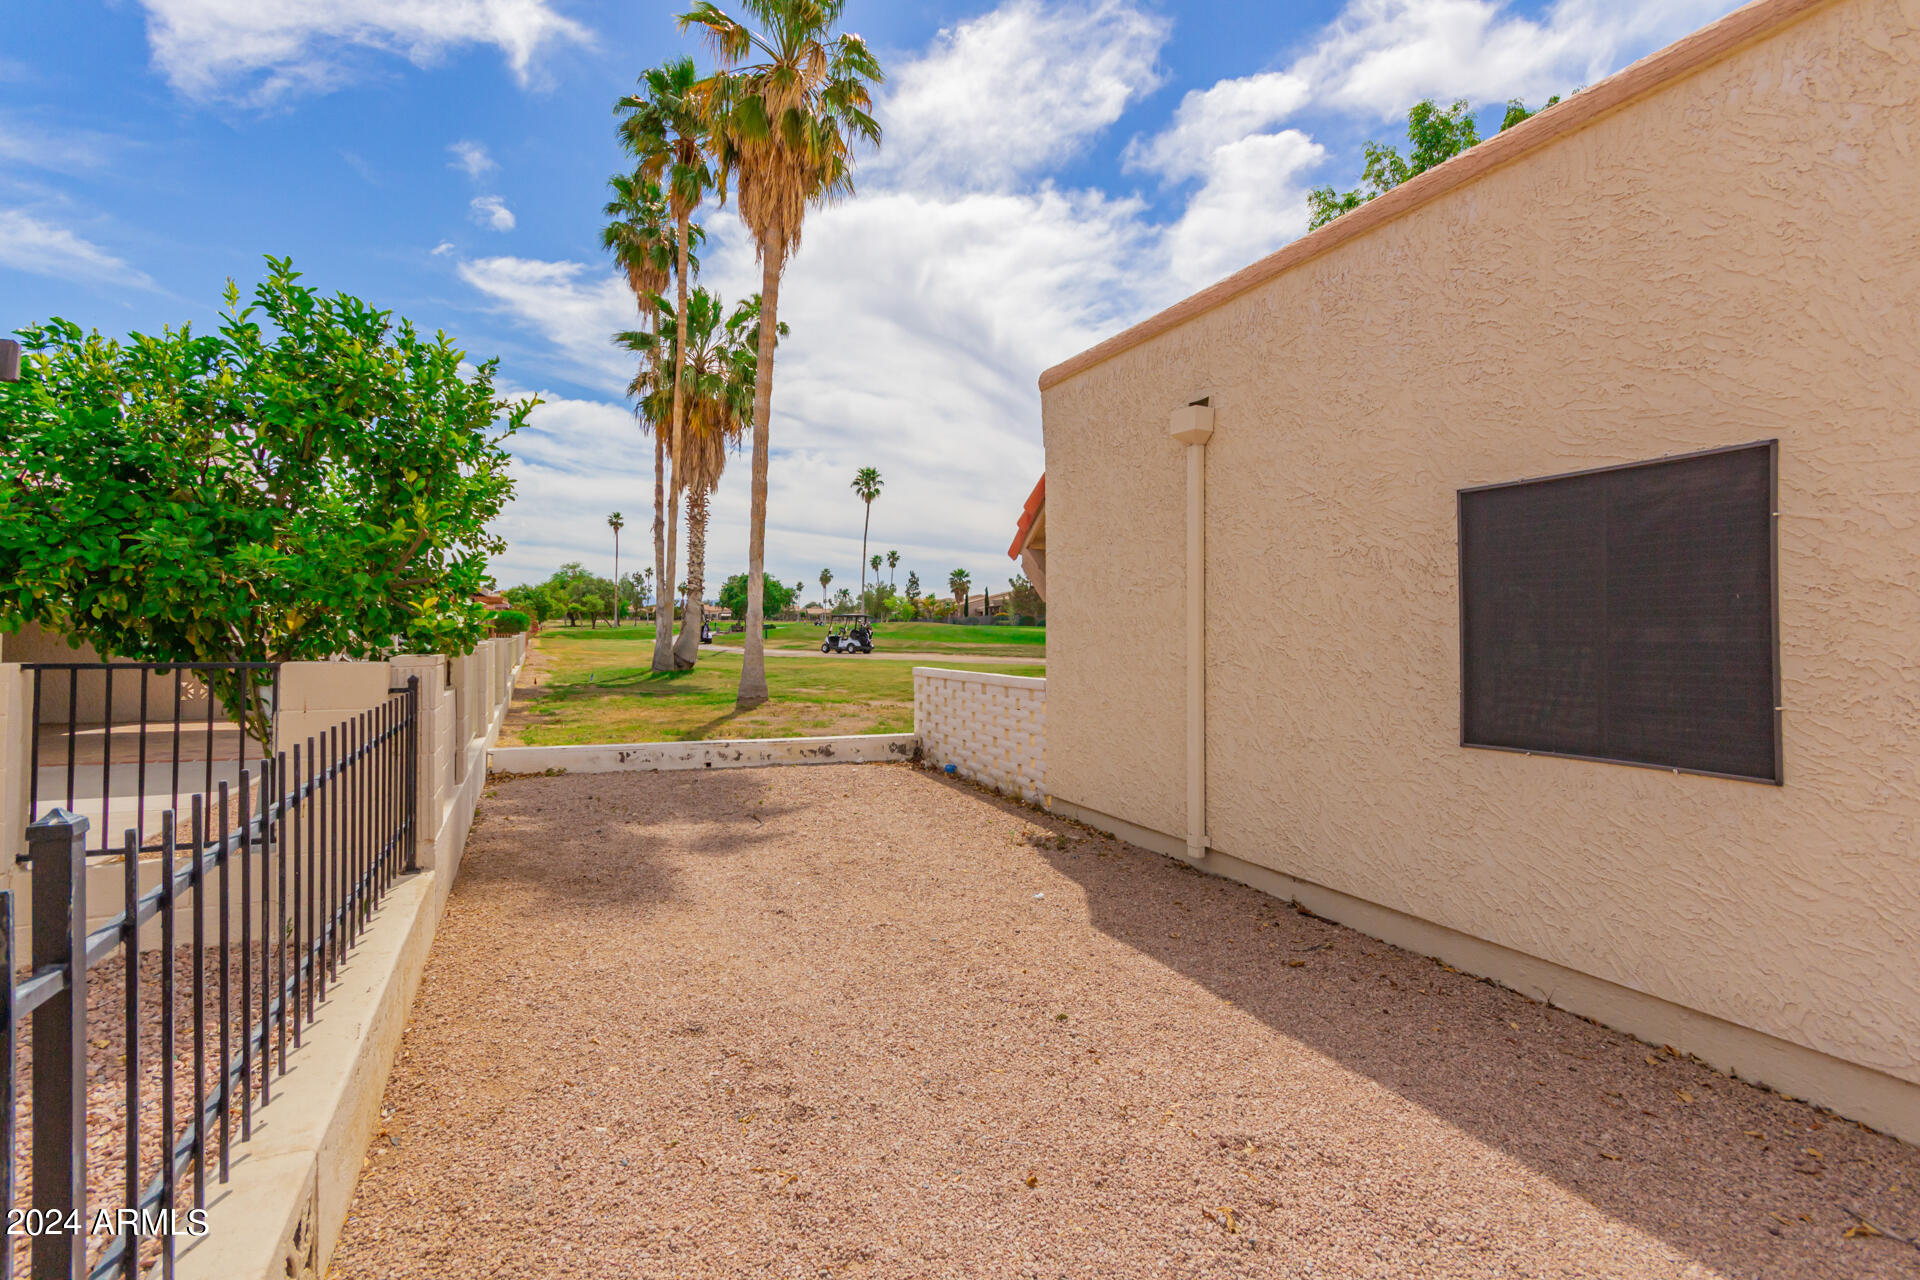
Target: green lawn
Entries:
(905, 637)
(596, 685)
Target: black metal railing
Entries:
(326, 829)
(123, 741)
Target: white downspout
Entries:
(1193, 427)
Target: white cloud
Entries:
(36, 142)
(492, 212)
(442, 249)
(358, 163)
(472, 159)
(1377, 58)
(1208, 119)
(576, 308)
(1253, 201)
(1252, 193)
(919, 323)
(575, 461)
(1016, 90)
(923, 309)
(1380, 56)
(265, 49)
(31, 245)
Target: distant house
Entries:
(986, 604)
(493, 600)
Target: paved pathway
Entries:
(864, 1021)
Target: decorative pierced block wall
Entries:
(992, 728)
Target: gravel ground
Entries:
(865, 1021)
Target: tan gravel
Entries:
(862, 1020)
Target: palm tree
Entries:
(616, 522)
(644, 246)
(876, 561)
(716, 368)
(866, 483)
(960, 583)
(826, 576)
(665, 128)
(893, 567)
(783, 129)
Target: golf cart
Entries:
(848, 633)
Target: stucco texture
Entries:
(1732, 258)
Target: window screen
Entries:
(1626, 614)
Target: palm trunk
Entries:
(686, 650)
(673, 563)
(753, 667)
(865, 524)
(616, 577)
(681, 221)
(662, 602)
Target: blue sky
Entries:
(1053, 170)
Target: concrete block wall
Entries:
(315, 697)
(16, 754)
(312, 698)
(435, 759)
(490, 676)
(992, 728)
(468, 677)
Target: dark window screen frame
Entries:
(1583, 636)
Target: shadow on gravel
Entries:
(531, 833)
(1739, 1178)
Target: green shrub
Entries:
(509, 622)
(311, 478)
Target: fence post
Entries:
(412, 786)
(58, 846)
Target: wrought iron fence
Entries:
(305, 851)
(120, 740)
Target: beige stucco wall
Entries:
(1733, 258)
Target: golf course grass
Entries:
(903, 637)
(596, 685)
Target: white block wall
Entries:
(992, 728)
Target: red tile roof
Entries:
(1035, 500)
